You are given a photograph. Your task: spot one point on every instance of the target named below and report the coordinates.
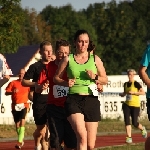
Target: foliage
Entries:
(35, 29)
(10, 30)
(120, 31)
(64, 22)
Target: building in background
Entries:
(25, 56)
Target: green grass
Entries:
(111, 126)
(9, 131)
(106, 126)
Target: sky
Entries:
(77, 4)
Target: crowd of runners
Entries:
(64, 87)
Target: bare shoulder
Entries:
(98, 59)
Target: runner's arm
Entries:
(60, 71)
(4, 80)
(102, 77)
(28, 83)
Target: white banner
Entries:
(111, 102)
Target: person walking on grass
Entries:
(131, 107)
(20, 105)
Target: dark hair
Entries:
(79, 32)
(42, 45)
(61, 42)
(91, 46)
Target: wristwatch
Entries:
(96, 77)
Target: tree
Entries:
(121, 30)
(35, 29)
(11, 19)
(64, 22)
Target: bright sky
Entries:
(77, 4)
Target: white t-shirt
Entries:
(4, 68)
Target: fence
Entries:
(111, 102)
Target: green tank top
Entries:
(78, 72)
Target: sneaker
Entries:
(128, 140)
(144, 132)
(38, 147)
(19, 145)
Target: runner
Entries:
(59, 127)
(82, 105)
(19, 96)
(144, 73)
(36, 72)
(131, 107)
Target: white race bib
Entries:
(60, 91)
(128, 97)
(93, 87)
(46, 91)
(19, 107)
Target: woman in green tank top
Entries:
(84, 71)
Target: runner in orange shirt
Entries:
(20, 105)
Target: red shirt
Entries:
(57, 94)
(43, 75)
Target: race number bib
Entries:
(19, 107)
(46, 91)
(128, 97)
(60, 91)
(93, 87)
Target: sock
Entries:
(18, 130)
(21, 134)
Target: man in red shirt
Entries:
(60, 128)
(19, 96)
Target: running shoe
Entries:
(19, 145)
(38, 147)
(144, 132)
(128, 140)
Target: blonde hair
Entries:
(131, 70)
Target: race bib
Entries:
(128, 97)
(60, 91)
(19, 107)
(93, 87)
(46, 91)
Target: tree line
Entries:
(120, 31)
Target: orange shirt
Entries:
(19, 93)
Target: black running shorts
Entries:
(60, 128)
(18, 115)
(88, 105)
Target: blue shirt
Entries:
(146, 63)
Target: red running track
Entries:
(101, 141)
